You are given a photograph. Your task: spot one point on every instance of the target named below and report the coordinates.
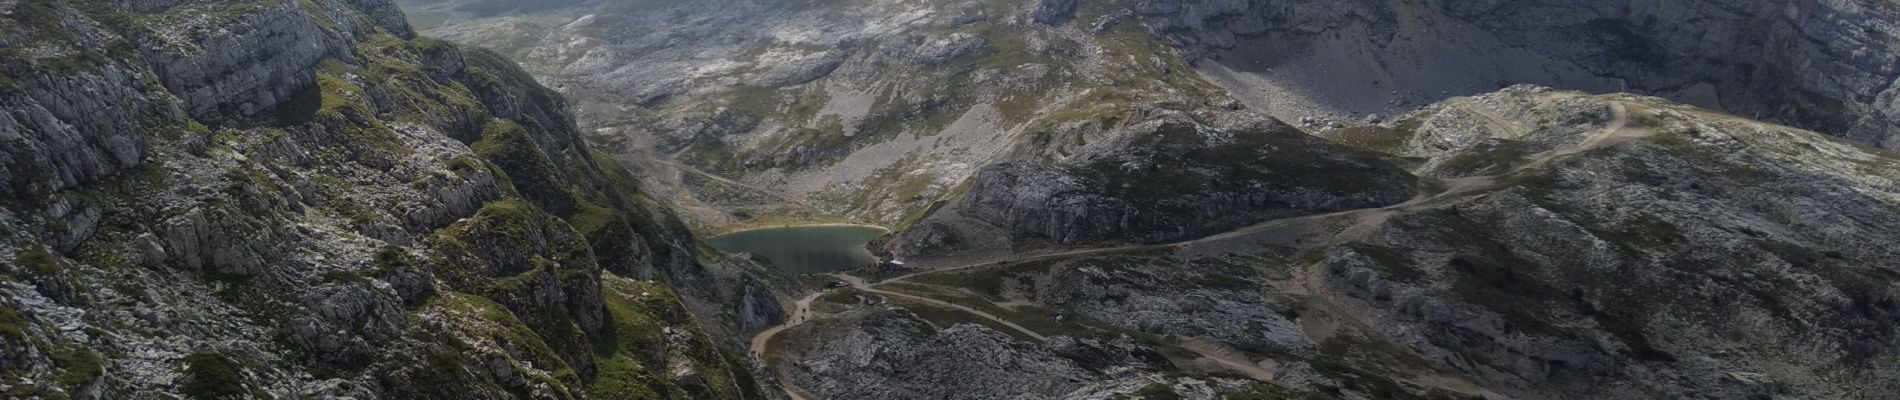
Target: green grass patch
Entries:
(1039, 319)
(632, 332)
(1375, 138)
(39, 262)
(944, 318)
(1393, 262)
(464, 166)
(318, 16)
(13, 324)
(1180, 164)
(211, 376)
(393, 257)
(1490, 157)
(507, 240)
(846, 296)
(337, 94)
(342, 106)
(1503, 288)
(988, 282)
(489, 319)
(508, 146)
(1270, 392)
(1642, 231)
(639, 315)
(1373, 351)
(78, 366)
(594, 219)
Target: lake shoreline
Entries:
(742, 228)
(802, 249)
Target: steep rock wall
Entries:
(299, 198)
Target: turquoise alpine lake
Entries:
(805, 249)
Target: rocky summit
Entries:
(303, 199)
(1093, 199)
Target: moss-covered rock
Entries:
(302, 186)
(39, 262)
(649, 333)
(508, 146)
(13, 324)
(78, 367)
(210, 376)
(1174, 179)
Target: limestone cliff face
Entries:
(215, 199)
(80, 88)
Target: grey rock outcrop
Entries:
(870, 110)
(1174, 179)
(1570, 245)
(1588, 273)
(873, 351)
(935, 49)
(231, 67)
(299, 199)
(861, 85)
(63, 131)
(1526, 244)
(1055, 12)
(793, 69)
(963, 361)
(1211, 299)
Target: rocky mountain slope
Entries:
(1097, 201)
(1823, 65)
(872, 111)
(1164, 180)
(302, 199)
(306, 199)
(862, 110)
(1565, 246)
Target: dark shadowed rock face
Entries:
(1175, 179)
(1825, 65)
